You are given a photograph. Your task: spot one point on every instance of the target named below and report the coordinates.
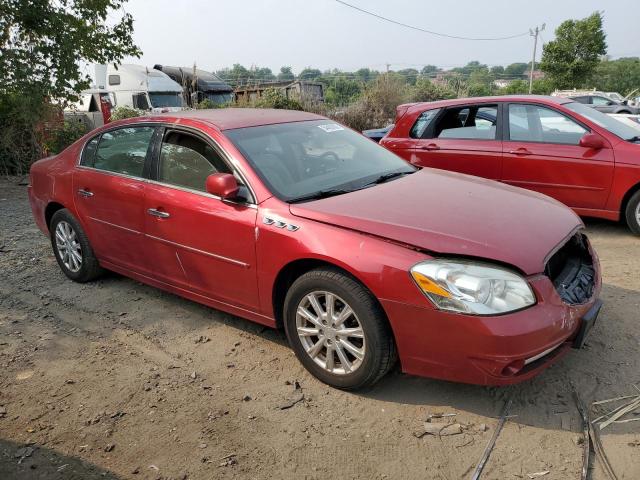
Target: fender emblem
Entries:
(276, 222)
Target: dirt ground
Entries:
(118, 380)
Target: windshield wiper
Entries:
(320, 194)
(386, 177)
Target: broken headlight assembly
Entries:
(472, 287)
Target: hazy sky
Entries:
(325, 34)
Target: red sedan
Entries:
(564, 149)
(290, 219)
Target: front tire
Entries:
(338, 330)
(72, 249)
(632, 213)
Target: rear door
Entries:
(463, 138)
(542, 152)
(109, 186)
(198, 241)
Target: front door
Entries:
(109, 191)
(542, 152)
(199, 242)
(463, 139)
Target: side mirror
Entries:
(592, 140)
(223, 185)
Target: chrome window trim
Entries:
(228, 157)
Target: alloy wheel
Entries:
(68, 246)
(330, 332)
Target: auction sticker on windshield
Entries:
(330, 127)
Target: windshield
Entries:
(302, 159)
(605, 121)
(165, 99)
(220, 98)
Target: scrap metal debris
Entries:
(586, 447)
(487, 451)
(538, 474)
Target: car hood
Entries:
(450, 213)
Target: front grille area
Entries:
(571, 270)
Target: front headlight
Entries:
(472, 287)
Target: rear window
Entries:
(423, 121)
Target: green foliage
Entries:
(309, 74)
(61, 137)
(42, 46)
(286, 74)
(20, 140)
(122, 112)
(571, 59)
(410, 75)
(622, 75)
(516, 69)
(341, 91)
(44, 42)
(276, 98)
(207, 103)
(540, 87)
(429, 70)
(427, 91)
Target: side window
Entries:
(469, 122)
(89, 153)
(600, 101)
(187, 161)
(124, 150)
(532, 123)
(423, 122)
(583, 99)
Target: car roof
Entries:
(502, 98)
(229, 118)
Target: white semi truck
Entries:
(140, 87)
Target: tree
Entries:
(42, 47)
(516, 69)
(429, 70)
(497, 70)
(341, 91)
(622, 75)
(573, 56)
(43, 43)
(286, 75)
(410, 75)
(427, 91)
(263, 74)
(309, 74)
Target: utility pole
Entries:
(387, 65)
(534, 34)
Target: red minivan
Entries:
(573, 153)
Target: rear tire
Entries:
(348, 344)
(72, 249)
(632, 213)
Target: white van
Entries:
(140, 87)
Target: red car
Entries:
(290, 219)
(569, 151)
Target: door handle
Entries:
(158, 213)
(431, 146)
(520, 151)
(85, 193)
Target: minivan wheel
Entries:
(632, 213)
(72, 249)
(337, 329)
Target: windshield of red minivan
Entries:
(297, 160)
(605, 121)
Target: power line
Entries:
(430, 31)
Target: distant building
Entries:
(297, 90)
(537, 74)
(502, 83)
